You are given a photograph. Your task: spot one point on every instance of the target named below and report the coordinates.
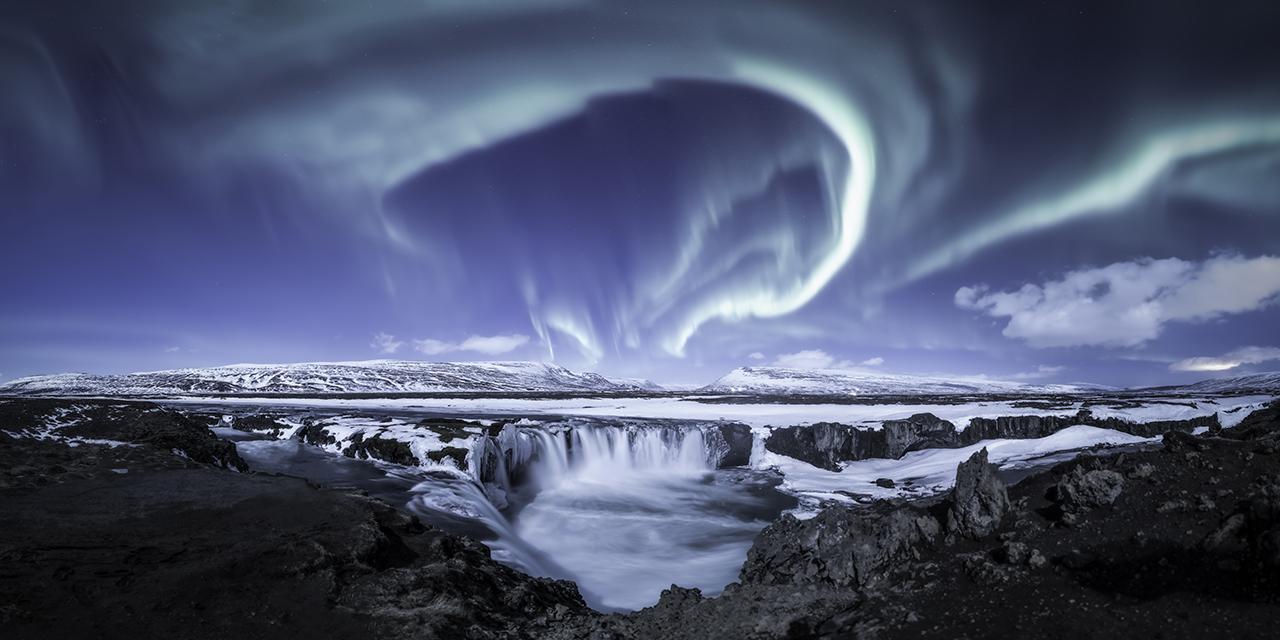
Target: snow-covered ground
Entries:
(348, 429)
(840, 382)
(372, 376)
(930, 470)
(1256, 381)
(51, 429)
(1229, 409)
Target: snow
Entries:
(785, 381)
(373, 376)
(1231, 409)
(61, 418)
(1254, 382)
(680, 408)
(931, 470)
(762, 414)
(421, 441)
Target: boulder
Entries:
(979, 499)
(840, 547)
(1081, 490)
(1179, 442)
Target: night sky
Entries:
(1050, 191)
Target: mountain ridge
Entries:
(367, 376)
(410, 376)
(770, 380)
(1265, 381)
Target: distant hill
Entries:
(389, 376)
(1269, 381)
(783, 381)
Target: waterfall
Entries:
(623, 507)
(545, 454)
(612, 451)
(467, 499)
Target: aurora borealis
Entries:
(664, 190)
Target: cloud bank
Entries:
(1230, 360)
(385, 343)
(488, 345)
(1126, 304)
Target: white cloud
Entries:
(494, 344)
(818, 359)
(489, 345)
(433, 347)
(172, 349)
(1128, 303)
(872, 362)
(807, 359)
(1042, 371)
(385, 343)
(756, 356)
(1230, 360)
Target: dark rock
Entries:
(1021, 554)
(1229, 531)
(457, 454)
(737, 437)
(1262, 509)
(979, 499)
(885, 483)
(1037, 560)
(1077, 559)
(983, 571)
(1260, 424)
(1014, 427)
(827, 444)
(1205, 503)
(840, 547)
(1040, 426)
(257, 422)
(1016, 553)
(920, 431)
(1142, 470)
(823, 445)
(393, 451)
(1080, 490)
(1179, 442)
(314, 433)
(449, 429)
(677, 596)
(141, 423)
(183, 550)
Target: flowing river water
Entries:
(625, 513)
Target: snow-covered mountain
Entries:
(783, 381)
(1269, 381)
(376, 376)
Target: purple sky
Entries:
(1066, 191)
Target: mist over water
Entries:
(628, 515)
(625, 512)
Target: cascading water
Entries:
(623, 508)
(628, 511)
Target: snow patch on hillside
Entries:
(374, 376)
(837, 382)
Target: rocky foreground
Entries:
(167, 536)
